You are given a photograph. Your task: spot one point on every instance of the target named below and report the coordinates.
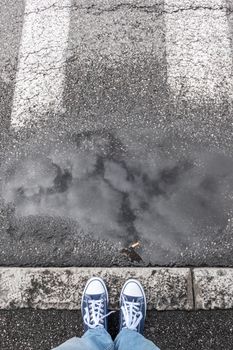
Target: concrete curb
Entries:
(213, 288)
(166, 288)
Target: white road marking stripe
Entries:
(198, 49)
(41, 62)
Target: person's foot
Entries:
(133, 306)
(94, 304)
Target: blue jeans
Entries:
(100, 339)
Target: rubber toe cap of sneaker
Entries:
(94, 287)
(133, 289)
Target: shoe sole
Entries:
(141, 287)
(88, 282)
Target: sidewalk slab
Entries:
(213, 288)
(61, 288)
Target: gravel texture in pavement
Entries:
(116, 127)
(170, 330)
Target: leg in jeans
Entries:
(94, 308)
(131, 340)
(132, 318)
(93, 339)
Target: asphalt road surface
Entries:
(32, 330)
(116, 129)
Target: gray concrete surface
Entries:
(213, 287)
(62, 288)
(166, 288)
(170, 330)
(141, 149)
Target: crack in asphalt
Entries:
(54, 5)
(95, 10)
(154, 9)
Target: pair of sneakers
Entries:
(95, 305)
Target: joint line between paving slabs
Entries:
(193, 288)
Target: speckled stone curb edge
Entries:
(166, 288)
(213, 288)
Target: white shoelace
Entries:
(132, 315)
(94, 314)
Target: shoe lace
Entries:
(131, 314)
(94, 313)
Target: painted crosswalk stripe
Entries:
(198, 49)
(41, 61)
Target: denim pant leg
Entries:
(131, 340)
(93, 339)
